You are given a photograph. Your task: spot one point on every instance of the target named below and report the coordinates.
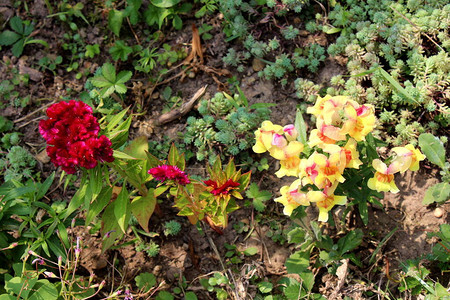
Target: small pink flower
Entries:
(168, 172)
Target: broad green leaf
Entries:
(109, 72)
(20, 286)
(17, 25)
(145, 281)
(177, 23)
(121, 210)
(363, 211)
(123, 76)
(119, 88)
(142, 208)
(439, 193)
(17, 48)
(165, 3)
(44, 289)
(433, 149)
(296, 236)
(293, 291)
(188, 296)
(298, 262)
(251, 251)
(111, 230)
(173, 155)
(331, 30)
(138, 147)
(121, 155)
(163, 295)
(100, 82)
(349, 242)
(7, 297)
(162, 16)
(8, 37)
(307, 280)
(115, 19)
(265, 287)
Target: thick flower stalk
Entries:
(71, 132)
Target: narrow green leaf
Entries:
(37, 41)
(300, 125)
(98, 205)
(173, 155)
(77, 201)
(45, 186)
(397, 86)
(349, 242)
(121, 209)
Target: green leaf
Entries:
(177, 22)
(20, 286)
(115, 19)
(121, 209)
(163, 295)
(165, 3)
(109, 72)
(300, 125)
(265, 287)
(349, 242)
(262, 105)
(37, 41)
(251, 251)
(120, 51)
(293, 291)
(298, 262)
(296, 236)
(173, 155)
(8, 37)
(77, 201)
(397, 86)
(123, 76)
(307, 280)
(44, 289)
(145, 281)
(142, 208)
(188, 296)
(433, 149)
(17, 48)
(439, 193)
(17, 25)
(98, 205)
(45, 186)
(363, 211)
(111, 230)
(258, 196)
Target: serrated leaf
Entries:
(293, 291)
(145, 281)
(296, 236)
(100, 82)
(16, 24)
(432, 148)
(298, 262)
(123, 76)
(8, 37)
(439, 193)
(119, 88)
(17, 48)
(109, 72)
(265, 287)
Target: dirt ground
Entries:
(190, 253)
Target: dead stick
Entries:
(184, 109)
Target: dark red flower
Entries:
(71, 132)
(224, 189)
(168, 172)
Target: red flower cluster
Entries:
(167, 172)
(224, 189)
(71, 132)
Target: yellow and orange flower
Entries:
(324, 134)
(409, 157)
(264, 136)
(383, 179)
(291, 197)
(326, 200)
(360, 121)
(330, 169)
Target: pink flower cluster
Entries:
(71, 132)
(168, 172)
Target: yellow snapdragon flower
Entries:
(383, 179)
(409, 157)
(291, 197)
(324, 134)
(360, 121)
(326, 200)
(264, 136)
(289, 157)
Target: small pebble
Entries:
(438, 212)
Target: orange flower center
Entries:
(384, 177)
(325, 139)
(330, 170)
(327, 202)
(348, 155)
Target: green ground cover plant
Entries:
(83, 188)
